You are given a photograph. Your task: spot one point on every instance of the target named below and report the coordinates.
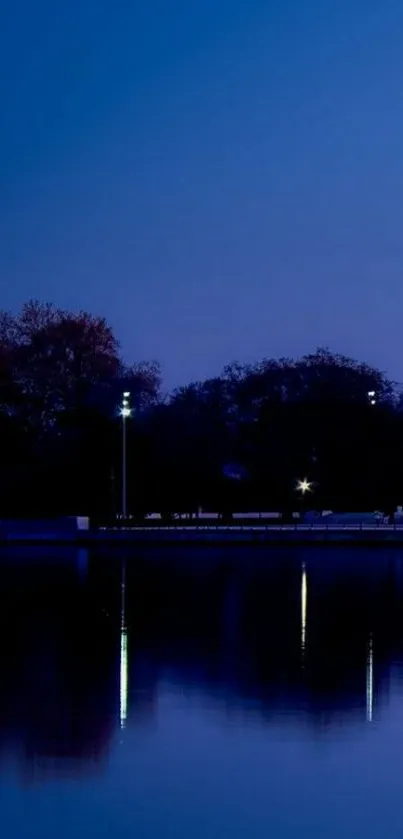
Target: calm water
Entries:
(202, 694)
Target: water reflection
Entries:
(303, 609)
(82, 563)
(124, 664)
(57, 659)
(90, 647)
(370, 681)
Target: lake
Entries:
(204, 693)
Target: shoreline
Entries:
(313, 535)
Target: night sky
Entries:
(221, 179)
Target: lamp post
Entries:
(372, 397)
(125, 413)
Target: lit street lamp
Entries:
(125, 413)
(372, 397)
(304, 486)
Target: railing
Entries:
(221, 527)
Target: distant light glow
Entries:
(304, 596)
(370, 681)
(304, 486)
(125, 409)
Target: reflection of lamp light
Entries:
(123, 678)
(123, 652)
(370, 681)
(304, 593)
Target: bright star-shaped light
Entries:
(304, 486)
(125, 409)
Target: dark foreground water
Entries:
(202, 695)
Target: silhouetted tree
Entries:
(270, 423)
(61, 378)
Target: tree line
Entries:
(241, 440)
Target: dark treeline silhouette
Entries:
(240, 440)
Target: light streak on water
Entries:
(123, 681)
(370, 681)
(123, 678)
(304, 596)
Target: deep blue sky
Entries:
(220, 179)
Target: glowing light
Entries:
(370, 681)
(304, 486)
(304, 596)
(125, 409)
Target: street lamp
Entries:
(304, 486)
(372, 397)
(125, 413)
